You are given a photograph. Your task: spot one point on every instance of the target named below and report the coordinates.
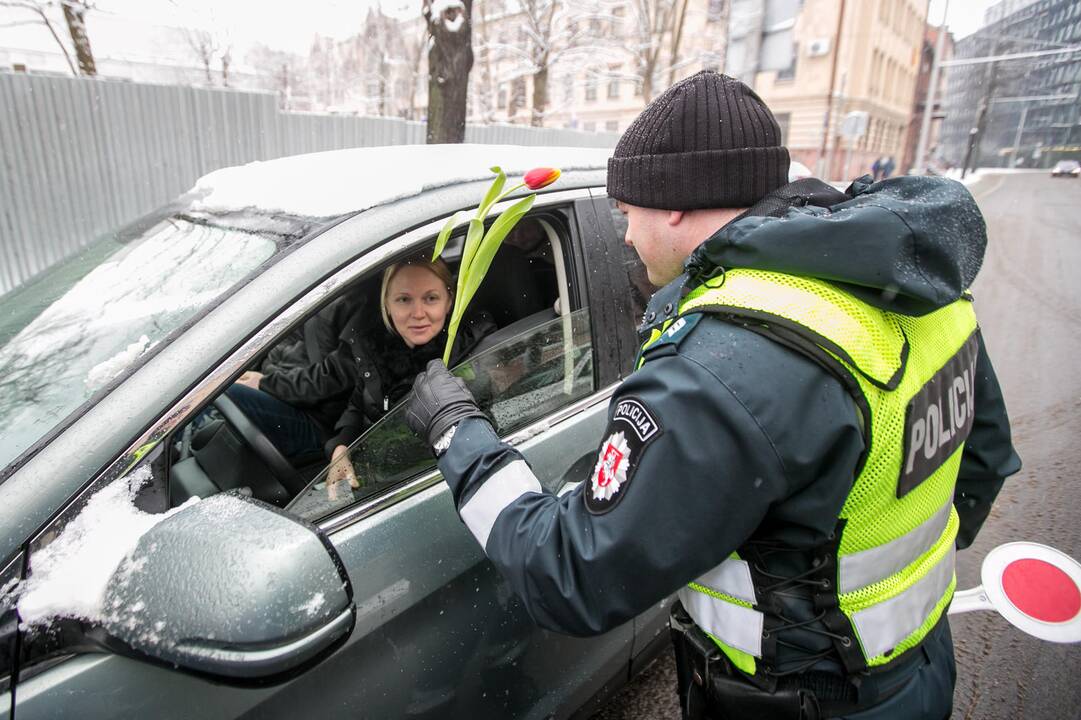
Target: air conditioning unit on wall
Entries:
(818, 48)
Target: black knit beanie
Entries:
(707, 142)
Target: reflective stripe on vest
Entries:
(878, 563)
(883, 626)
(732, 624)
(895, 559)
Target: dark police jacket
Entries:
(733, 441)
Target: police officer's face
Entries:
(650, 233)
(418, 303)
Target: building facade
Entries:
(934, 157)
(599, 61)
(1021, 112)
(819, 61)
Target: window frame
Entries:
(225, 371)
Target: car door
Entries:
(437, 631)
(627, 280)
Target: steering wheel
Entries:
(279, 466)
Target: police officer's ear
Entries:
(675, 217)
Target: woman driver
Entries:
(415, 303)
(374, 364)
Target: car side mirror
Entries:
(231, 587)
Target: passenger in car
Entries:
(415, 302)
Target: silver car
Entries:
(161, 558)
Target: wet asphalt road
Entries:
(1029, 304)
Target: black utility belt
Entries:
(712, 688)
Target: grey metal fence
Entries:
(80, 157)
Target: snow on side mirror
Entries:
(230, 587)
(1035, 587)
(225, 586)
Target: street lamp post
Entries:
(1017, 137)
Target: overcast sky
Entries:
(284, 26)
(965, 16)
(291, 25)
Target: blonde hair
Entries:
(437, 268)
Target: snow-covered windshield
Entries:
(85, 322)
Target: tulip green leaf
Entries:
(452, 222)
(482, 260)
(492, 195)
(480, 247)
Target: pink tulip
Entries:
(537, 178)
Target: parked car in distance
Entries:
(246, 590)
(1066, 168)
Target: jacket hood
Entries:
(907, 244)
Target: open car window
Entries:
(516, 381)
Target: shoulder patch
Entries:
(674, 334)
(632, 428)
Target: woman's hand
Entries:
(341, 469)
(251, 379)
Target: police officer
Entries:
(812, 429)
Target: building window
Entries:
(589, 126)
(501, 102)
(783, 120)
(789, 72)
(715, 11)
(613, 83)
(591, 89)
(611, 126)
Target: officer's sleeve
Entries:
(683, 476)
(989, 456)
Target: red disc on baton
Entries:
(1036, 588)
(1041, 591)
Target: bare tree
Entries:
(484, 90)
(226, 61)
(655, 21)
(75, 15)
(40, 9)
(450, 59)
(540, 16)
(284, 72)
(415, 44)
(553, 33)
(205, 47)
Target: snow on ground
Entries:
(69, 576)
(974, 176)
(336, 182)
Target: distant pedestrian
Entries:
(876, 168)
(888, 167)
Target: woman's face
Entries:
(418, 303)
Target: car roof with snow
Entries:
(338, 182)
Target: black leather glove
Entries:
(440, 401)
